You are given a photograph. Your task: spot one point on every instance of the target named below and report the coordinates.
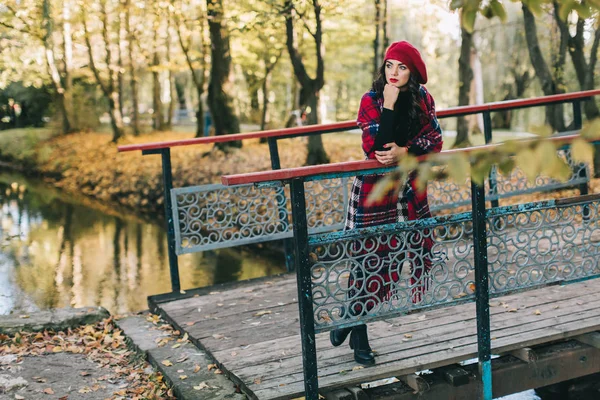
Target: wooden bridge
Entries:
(252, 331)
(528, 269)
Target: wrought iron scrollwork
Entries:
(531, 248)
(358, 274)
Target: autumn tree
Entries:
(108, 84)
(132, 44)
(465, 76)
(190, 26)
(263, 39)
(310, 87)
(50, 26)
(220, 88)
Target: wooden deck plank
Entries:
(271, 350)
(428, 352)
(268, 350)
(403, 367)
(421, 341)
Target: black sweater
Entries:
(394, 126)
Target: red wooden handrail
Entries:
(338, 126)
(349, 166)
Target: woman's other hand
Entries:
(392, 155)
(390, 95)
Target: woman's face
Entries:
(396, 74)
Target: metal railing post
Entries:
(167, 186)
(583, 171)
(487, 133)
(287, 243)
(305, 300)
(482, 290)
(577, 117)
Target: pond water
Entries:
(58, 250)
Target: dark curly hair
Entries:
(416, 113)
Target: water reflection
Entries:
(57, 252)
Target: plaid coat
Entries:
(396, 206)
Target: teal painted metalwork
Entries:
(485, 369)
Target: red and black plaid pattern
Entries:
(396, 206)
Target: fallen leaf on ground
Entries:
(201, 386)
(357, 368)
(257, 381)
(48, 391)
(407, 335)
(196, 368)
(167, 363)
(513, 310)
(218, 371)
(261, 313)
(211, 366)
(182, 377)
(538, 312)
(218, 336)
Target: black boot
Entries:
(359, 342)
(338, 336)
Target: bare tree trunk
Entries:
(310, 88)
(68, 67)
(264, 118)
(476, 96)
(503, 119)
(376, 43)
(120, 51)
(386, 34)
(583, 70)
(57, 84)
(554, 113)
(135, 120)
(171, 108)
(465, 75)
(108, 88)
(157, 115)
(220, 89)
(198, 77)
(316, 151)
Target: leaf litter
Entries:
(101, 343)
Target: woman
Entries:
(397, 117)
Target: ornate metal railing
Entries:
(208, 217)
(355, 276)
(421, 264)
(190, 229)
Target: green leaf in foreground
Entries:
(582, 151)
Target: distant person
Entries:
(397, 117)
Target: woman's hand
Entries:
(392, 155)
(390, 95)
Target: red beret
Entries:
(410, 56)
